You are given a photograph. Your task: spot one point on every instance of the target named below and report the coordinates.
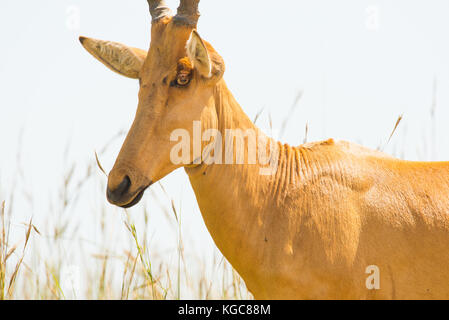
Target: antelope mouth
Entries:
(136, 198)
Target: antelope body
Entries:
(311, 229)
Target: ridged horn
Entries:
(158, 9)
(188, 12)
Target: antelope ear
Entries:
(198, 54)
(119, 58)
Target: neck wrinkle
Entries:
(291, 167)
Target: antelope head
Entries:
(177, 77)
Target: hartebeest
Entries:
(312, 229)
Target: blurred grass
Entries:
(52, 261)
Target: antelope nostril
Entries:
(118, 192)
(123, 186)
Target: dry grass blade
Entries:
(3, 223)
(36, 230)
(27, 236)
(14, 276)
(146, 265)
(174, 209)
(306, 133)
(127, 285)
(10, 252)
(398, 121)
(99, 164)
(102, 286)
(3, 253)
(258, 115)
(19, 263)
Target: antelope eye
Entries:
(182, 79)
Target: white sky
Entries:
(359, 63)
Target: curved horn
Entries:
(188, 12)
(158, 9)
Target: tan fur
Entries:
(310, 230)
